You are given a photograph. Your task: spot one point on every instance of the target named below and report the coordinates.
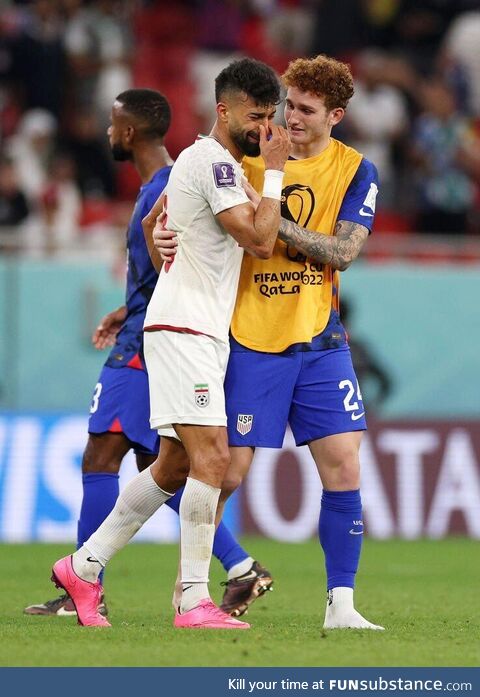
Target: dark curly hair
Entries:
(322, 76)
(150, 108)
(256, 79)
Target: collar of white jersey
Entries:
(203, 136)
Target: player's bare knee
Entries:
(344, 470)
(210, 466)
(230, 484)
(104, 452)
(170, 473)
(144, 460)
(98, 460)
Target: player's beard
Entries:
(248, 147)
(120, 154)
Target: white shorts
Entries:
(186, 373)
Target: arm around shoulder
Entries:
(338, 250)
(255, 231)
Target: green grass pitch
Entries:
(426, 594)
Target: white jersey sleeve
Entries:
(217, 177)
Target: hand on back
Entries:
(164, 240)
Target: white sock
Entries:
(85, 565)
(341, 597)
(177, 593)
(241, 568)
(197, 522)
(135, 505)
(341, 613)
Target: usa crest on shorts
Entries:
(202, 395)
(244, 423)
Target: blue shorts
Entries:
(121, 404)
(316, 392)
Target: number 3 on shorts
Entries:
(347, 402)
(96, 396)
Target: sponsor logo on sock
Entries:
(244, 423)
(187, 588)
(358, 523)
(94, 561)
(330, 597)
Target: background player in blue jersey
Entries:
(120, 409)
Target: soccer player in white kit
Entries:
(186, 341)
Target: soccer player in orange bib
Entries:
(290, 361)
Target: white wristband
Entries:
(272, 184)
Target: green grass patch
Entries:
(424, 592)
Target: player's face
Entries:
(116, 134)
(307, 117)
(244, 120)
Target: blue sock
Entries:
(100, 492)
(340, 531)
(225, 546)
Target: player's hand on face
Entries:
(275, 146)
(165, 241)
(253, 196)
(106, 332)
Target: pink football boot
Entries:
(85, 595)
(207, 616)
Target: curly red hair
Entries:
(322, 76)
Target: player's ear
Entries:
(129, 134)
(335, 116)
(222, 112)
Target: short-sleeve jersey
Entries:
(141, 277)
(197, 292)
(288, 298)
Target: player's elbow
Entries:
(341, 261)
(342, 264)
(263, 249)
(263, 252)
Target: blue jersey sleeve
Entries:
(152, 197)
(358, 205)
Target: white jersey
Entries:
(199, 289)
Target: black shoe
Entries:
(242, 591)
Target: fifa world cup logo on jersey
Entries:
(298, 203)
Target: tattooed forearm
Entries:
(338, 250)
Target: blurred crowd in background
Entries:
(415, 112)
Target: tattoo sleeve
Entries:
(338, 250)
